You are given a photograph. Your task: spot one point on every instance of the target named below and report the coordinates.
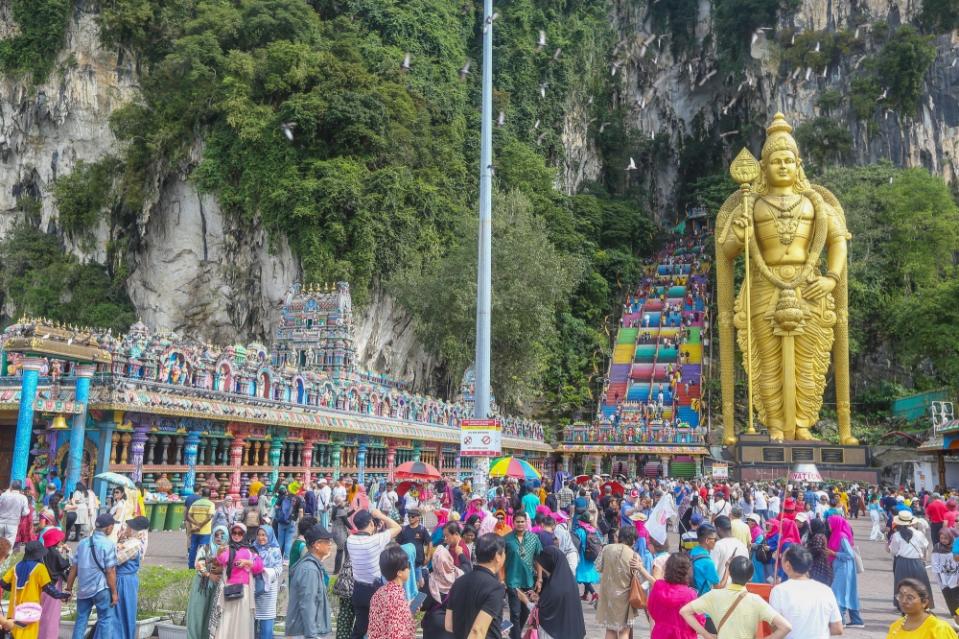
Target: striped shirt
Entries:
(365, 553)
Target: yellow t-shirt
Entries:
(203, 509)
(744, 621)
(255, 487)
(39, 577)
(931, 628)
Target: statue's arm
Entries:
(837, 243)
(729, 235)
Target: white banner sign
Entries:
(481, 438)
(720, 471)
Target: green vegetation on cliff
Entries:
(378, 184)
(33, 48)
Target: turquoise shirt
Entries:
(704, 570)
(519, 559)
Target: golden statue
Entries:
(792, 309)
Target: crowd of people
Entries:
(441, 560)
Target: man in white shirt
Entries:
(759, 501)
(720, 506)
(364, 548)
(773, 505)
(387, 500)
(808, 605)
(339, 493)
(727, 547)
(13, 506)
(324, 500)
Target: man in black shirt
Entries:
(415, 533)
(475, 602)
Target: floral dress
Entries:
(390, 616)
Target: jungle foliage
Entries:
(378, 185)
(33, 49)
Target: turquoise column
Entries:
(361, 463)
(81, 396)
(28, 392)
(190, 449)
(276, 448)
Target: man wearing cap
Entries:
(324, 501)
(308, 613)
(95, 566)
(415, 533)
(365, 548)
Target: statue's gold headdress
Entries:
(779, 138)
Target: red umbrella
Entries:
(417, 470)
(404, 486)
(583, 479)
(616, 486)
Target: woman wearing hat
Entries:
(26, 581)
(231, 616)
(206, 581)
(908, 549)
(130, 551)
(57, 561)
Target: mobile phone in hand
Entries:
(505, 625)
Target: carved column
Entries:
(125, 440)
(136, 450)
(190, 452)
(28, 392)
(104, 456)
(178, 451)
(337, 453)
(276, 448)
(307, 461)
(236, 461)
(361, 463)
(81, 395)
(164, 448)
(416, 451)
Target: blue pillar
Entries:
(28, 393)
(81, 396)
(190, 449)
(104, 454)
(276, 449)
(361, 463)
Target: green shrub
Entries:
(83, 195)
(824, 141)
(42, 25)
(939, 16)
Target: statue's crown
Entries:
(779, 137)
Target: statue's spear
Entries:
(745, 170)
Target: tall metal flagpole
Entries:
(484, 279)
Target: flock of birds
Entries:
(617, 64)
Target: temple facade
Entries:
(146, 403)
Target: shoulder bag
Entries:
(531, 631)
(232, 591)
(729, 612)
(343, 587)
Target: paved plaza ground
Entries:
(875, 586)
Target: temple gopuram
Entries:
(146, 403)
(648, 421)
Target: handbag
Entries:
(233, 591)
(637, 594)
(343, 586)
(259, 585)
(23, 614)
(531, 631)
(860, 568)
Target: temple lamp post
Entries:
(484, 284)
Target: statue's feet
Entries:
(776, 437)
(730, 441)
(803, 434)
(849, 441)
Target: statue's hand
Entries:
(819, 288)
(740, 222)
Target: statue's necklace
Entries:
(788, 219)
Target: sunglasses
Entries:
(234, 533)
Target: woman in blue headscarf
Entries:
(205, 584)
(269, 550)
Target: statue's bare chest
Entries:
(783, 227)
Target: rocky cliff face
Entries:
(672, 95)
(195, 270)
(198, 271)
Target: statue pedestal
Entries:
(758, 458)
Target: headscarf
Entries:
(840, 529)
(559, 609)
(444, 574)
(487, 524)
(789, 533)
(237, 545)
(410, 585)
(33, 554)
(270, 552)
(213, 547)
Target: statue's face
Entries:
(781, 168)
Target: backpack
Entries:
(593, 547)
(285, 512)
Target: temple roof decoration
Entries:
(310, 371)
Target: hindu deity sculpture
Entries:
(791, 311)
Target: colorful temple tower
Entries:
(316, 330)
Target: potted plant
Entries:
(68, 620)
(177, 598)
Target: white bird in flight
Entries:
(542, 40)
(501, 120)
(632, 164)
(465, 71)
(407, 59)
(287, 128)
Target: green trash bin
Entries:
(174, 516)
(148, 511)
(157, 515)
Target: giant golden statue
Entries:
(791, 311)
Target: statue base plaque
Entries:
(758, 458)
